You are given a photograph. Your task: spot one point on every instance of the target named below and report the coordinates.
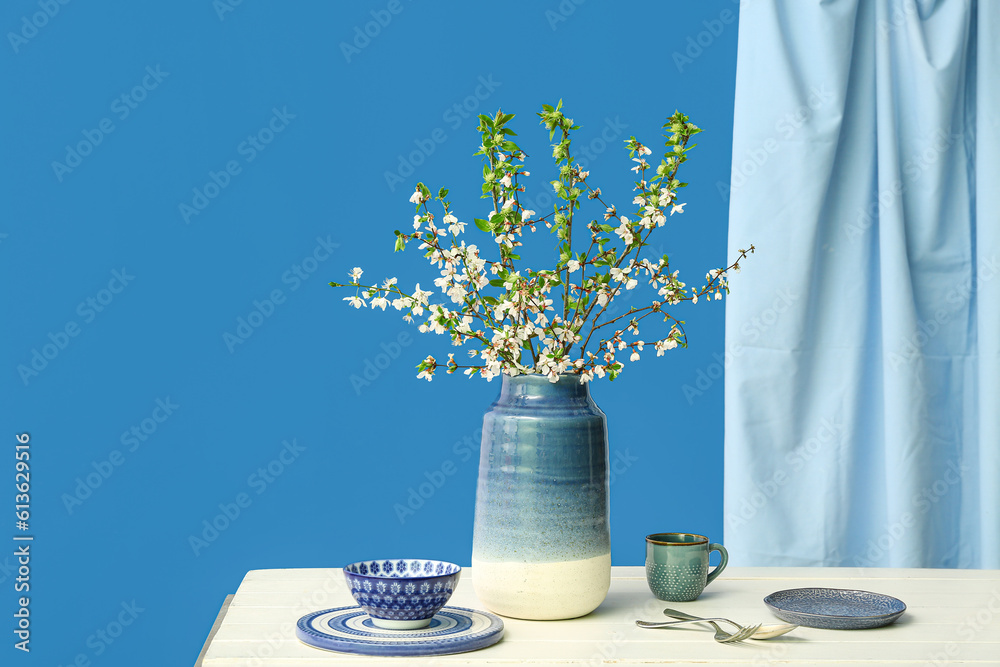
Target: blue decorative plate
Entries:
(350, 630)
(835, 608)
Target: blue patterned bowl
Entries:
(402, 594)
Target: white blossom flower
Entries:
(573, 265)
(641, 164)
(355, 274)
(457, 293)
(505, 180)
(355, 301)
(634, 356)
(427, 372)
(380, 302)
(417, 197)
(625, 231)
(454, 226)
(526, 214)
(678, 208)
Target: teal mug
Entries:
(677, 565)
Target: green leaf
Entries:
(442, 193)
(496, 282)
(483, 224)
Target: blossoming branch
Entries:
(545, 321)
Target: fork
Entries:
(720, 635)
(765, 632)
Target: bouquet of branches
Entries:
(547, 321)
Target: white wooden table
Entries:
(952, 617)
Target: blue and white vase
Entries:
(542, 545)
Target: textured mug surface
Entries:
(541, 544)
(677, 567)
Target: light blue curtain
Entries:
(863, 337)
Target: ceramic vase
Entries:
(541, 544)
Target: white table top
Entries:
(952, 617)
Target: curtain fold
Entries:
(863, 391)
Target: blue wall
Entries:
(148, 422)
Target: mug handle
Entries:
(722, 563)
